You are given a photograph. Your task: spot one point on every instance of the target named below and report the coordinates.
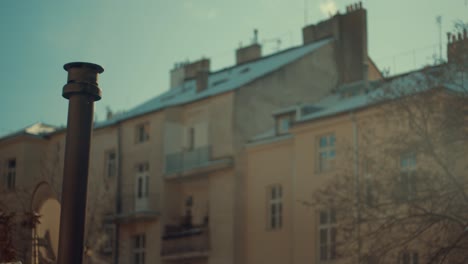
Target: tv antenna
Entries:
(439, 23)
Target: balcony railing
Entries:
(188, 243)
(135, 208)
(197, 162)
(187, 160)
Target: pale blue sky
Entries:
(138, 42)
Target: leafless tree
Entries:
(402, 190)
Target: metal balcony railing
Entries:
(189, 241)
(186, 160)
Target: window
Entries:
(108, 244)
(369, 194)
(284, 123)
(409, 258)
(11, 174)
(142, 133)
(142, 180)
(326, 152)
(327, 235)
(275, 207)
(407, 181)
(111, 163)
(191, 139)
(139, 244)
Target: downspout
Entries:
(293, 189)
(357, 183)
(118, 200)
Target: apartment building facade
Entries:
(358, 176)
(167, 178)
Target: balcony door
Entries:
(141, 187)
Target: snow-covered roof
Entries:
(219, 82)
(39, 129)
(358, 95)
(406, 85)
(35, 130)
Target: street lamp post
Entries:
(81, 90)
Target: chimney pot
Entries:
(459, 36)
(360, 5)
(356, 6)
(465, 34)
(82, 77)
(449, 35)
(454, 38)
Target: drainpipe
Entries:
(293, 198)
(118, 200)
(81, 90)
(357, 183)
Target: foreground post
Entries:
(81, 90)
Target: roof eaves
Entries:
(207, 93)
(268, 140)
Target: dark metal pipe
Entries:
(81, 90)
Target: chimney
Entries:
(249, 53)
(201, 79)
(457, 47)
(349, 31)
(185, 71)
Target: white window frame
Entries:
(138, 249)
(274, 207)
(327, 232)
(326, 152)
(142, 180)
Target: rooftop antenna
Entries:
(439, 23)
(255, 38)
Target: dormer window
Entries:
(283, 124)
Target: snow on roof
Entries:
(378, 91)
(37, 129)
(219, 82)
(406, 85)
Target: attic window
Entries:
(283, 123)
(245, 70)
(218, 82)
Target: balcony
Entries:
(138, 208)
(185, 243)
(196, 162)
